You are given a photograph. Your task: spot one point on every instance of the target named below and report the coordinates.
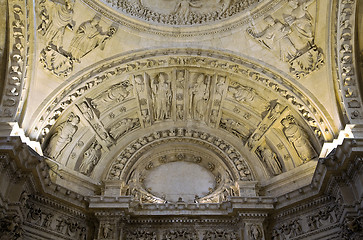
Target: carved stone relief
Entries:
(298, 139)
(62, 136)
(124, 126)
(113, 95)
(199, 93)
(10, 227)
(141, 234)
(57, 16)
(347, 70)
(270, 159)
(56, 222)
(130, 152)
(89, 36)
(182, 12)
(255, 232)
(15, 86)
(180, 102)
(91, 158)
(290, 36)
(179, 234)
(161, 96)
(220, 234)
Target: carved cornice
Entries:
(27, 163)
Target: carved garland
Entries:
(345, 60)
(135, 149)
(127, 64)
(16, 84)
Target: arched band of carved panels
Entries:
(257, 107)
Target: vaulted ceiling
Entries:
(115, 90)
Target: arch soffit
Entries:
(294, 104)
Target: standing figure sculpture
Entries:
(199, 97)
(89, 35)
(298, 139)
(162, 96)
(55, 17)
(271, 160)
(62, 136)
(90, 158)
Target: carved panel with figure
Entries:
(290, 35)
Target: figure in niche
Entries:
(89, 35)
(139, 80)
(90, 158)
(62, 137)
(123, 126)
(214, 116)
(182, 9)
(271, 160)
(117, 92)
(199, 97)
(298, 139)
(162, 95)
(255, 232)
(179, 111)
(221, 81)
(107, 229)
(275, 37)
(145, 116)
(55, 17)
(86, 110)
(180, 79)
(300, 21)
